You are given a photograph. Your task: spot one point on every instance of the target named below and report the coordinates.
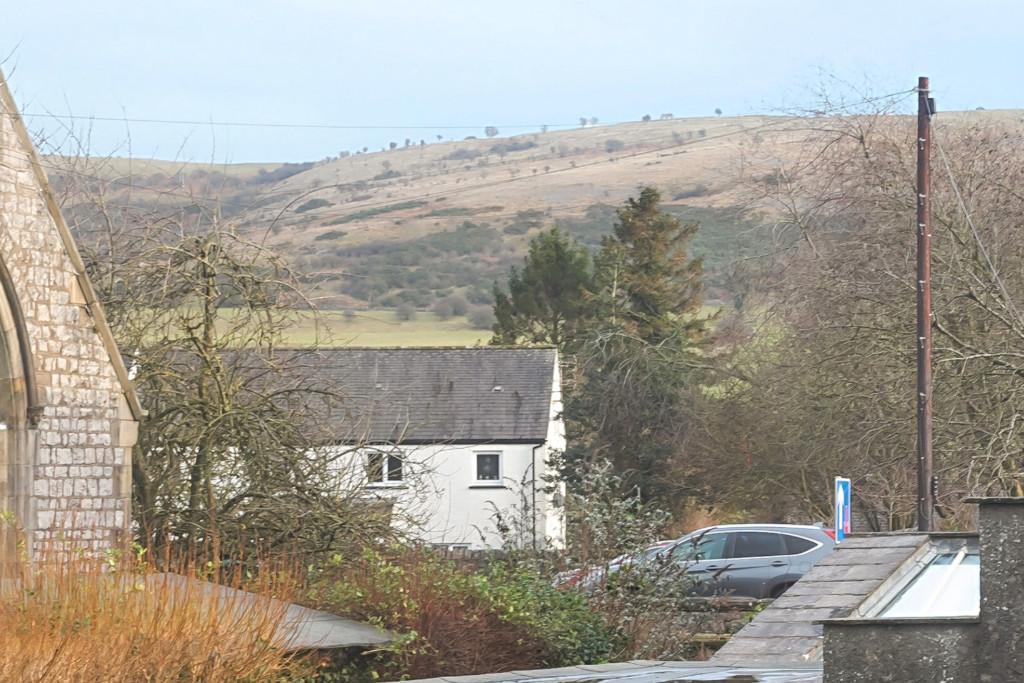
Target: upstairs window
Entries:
(384, 468)
(488, 467)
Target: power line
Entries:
(278, 124)
(263, 196)
(347, 126)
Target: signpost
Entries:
(842, 508)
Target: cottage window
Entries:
(488, 467)
(384, 468)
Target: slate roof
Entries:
(644, 671)
(786, 633)
(300, 628)
(433, 395)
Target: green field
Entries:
(382, 328)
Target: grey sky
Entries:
(475, 63)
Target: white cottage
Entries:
(453, 438)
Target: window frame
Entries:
(735, 532)
(385, 468)
(493, 483)
(726, 549)
(877, 603)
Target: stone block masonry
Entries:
(71, 414)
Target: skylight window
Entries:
(949, 585)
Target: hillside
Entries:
(422, 221)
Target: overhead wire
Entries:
(1010, 305)
(243, 206)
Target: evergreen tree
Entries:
(647, 283)
(627, 399)
(549, 299)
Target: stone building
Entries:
(68, 414)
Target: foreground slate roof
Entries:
(433, 395)
(786, 633)
(300, 628)
(644, 671)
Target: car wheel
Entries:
(780, 589)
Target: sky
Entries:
(452, 67)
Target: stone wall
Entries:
(69, 456)
(900, 651)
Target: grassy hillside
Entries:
(424, 221)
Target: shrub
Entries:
(459, 304)
(457, 621)
(503, 148)
(315, 203)
(443, 309)
(330, 235)
(463, 155)
(405, 312)
(698, 190)
(613, 145)
(481, 318)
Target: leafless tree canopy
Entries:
(829, 383)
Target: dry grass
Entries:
(118, 620)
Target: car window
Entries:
(758, 544)
(699, 548)
(797, 544)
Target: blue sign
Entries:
(842, 508)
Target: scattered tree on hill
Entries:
(593, 120)
(583, 122)
(490, 131)
(405, 312)
(718, 112)
(646, 118)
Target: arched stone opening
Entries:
(18, 413)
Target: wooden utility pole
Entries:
(925, 477)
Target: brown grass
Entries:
(73, 618)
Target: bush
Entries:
(503, 148)
(459, 304)
(463, 155)
(613, 145)
(457, 621)
(443, 309)
(330, 235)
(315, 203)
(481, 318)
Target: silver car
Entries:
(750, 560)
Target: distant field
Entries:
(381, 328)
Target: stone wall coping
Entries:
(904, 621)
(995, 500)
